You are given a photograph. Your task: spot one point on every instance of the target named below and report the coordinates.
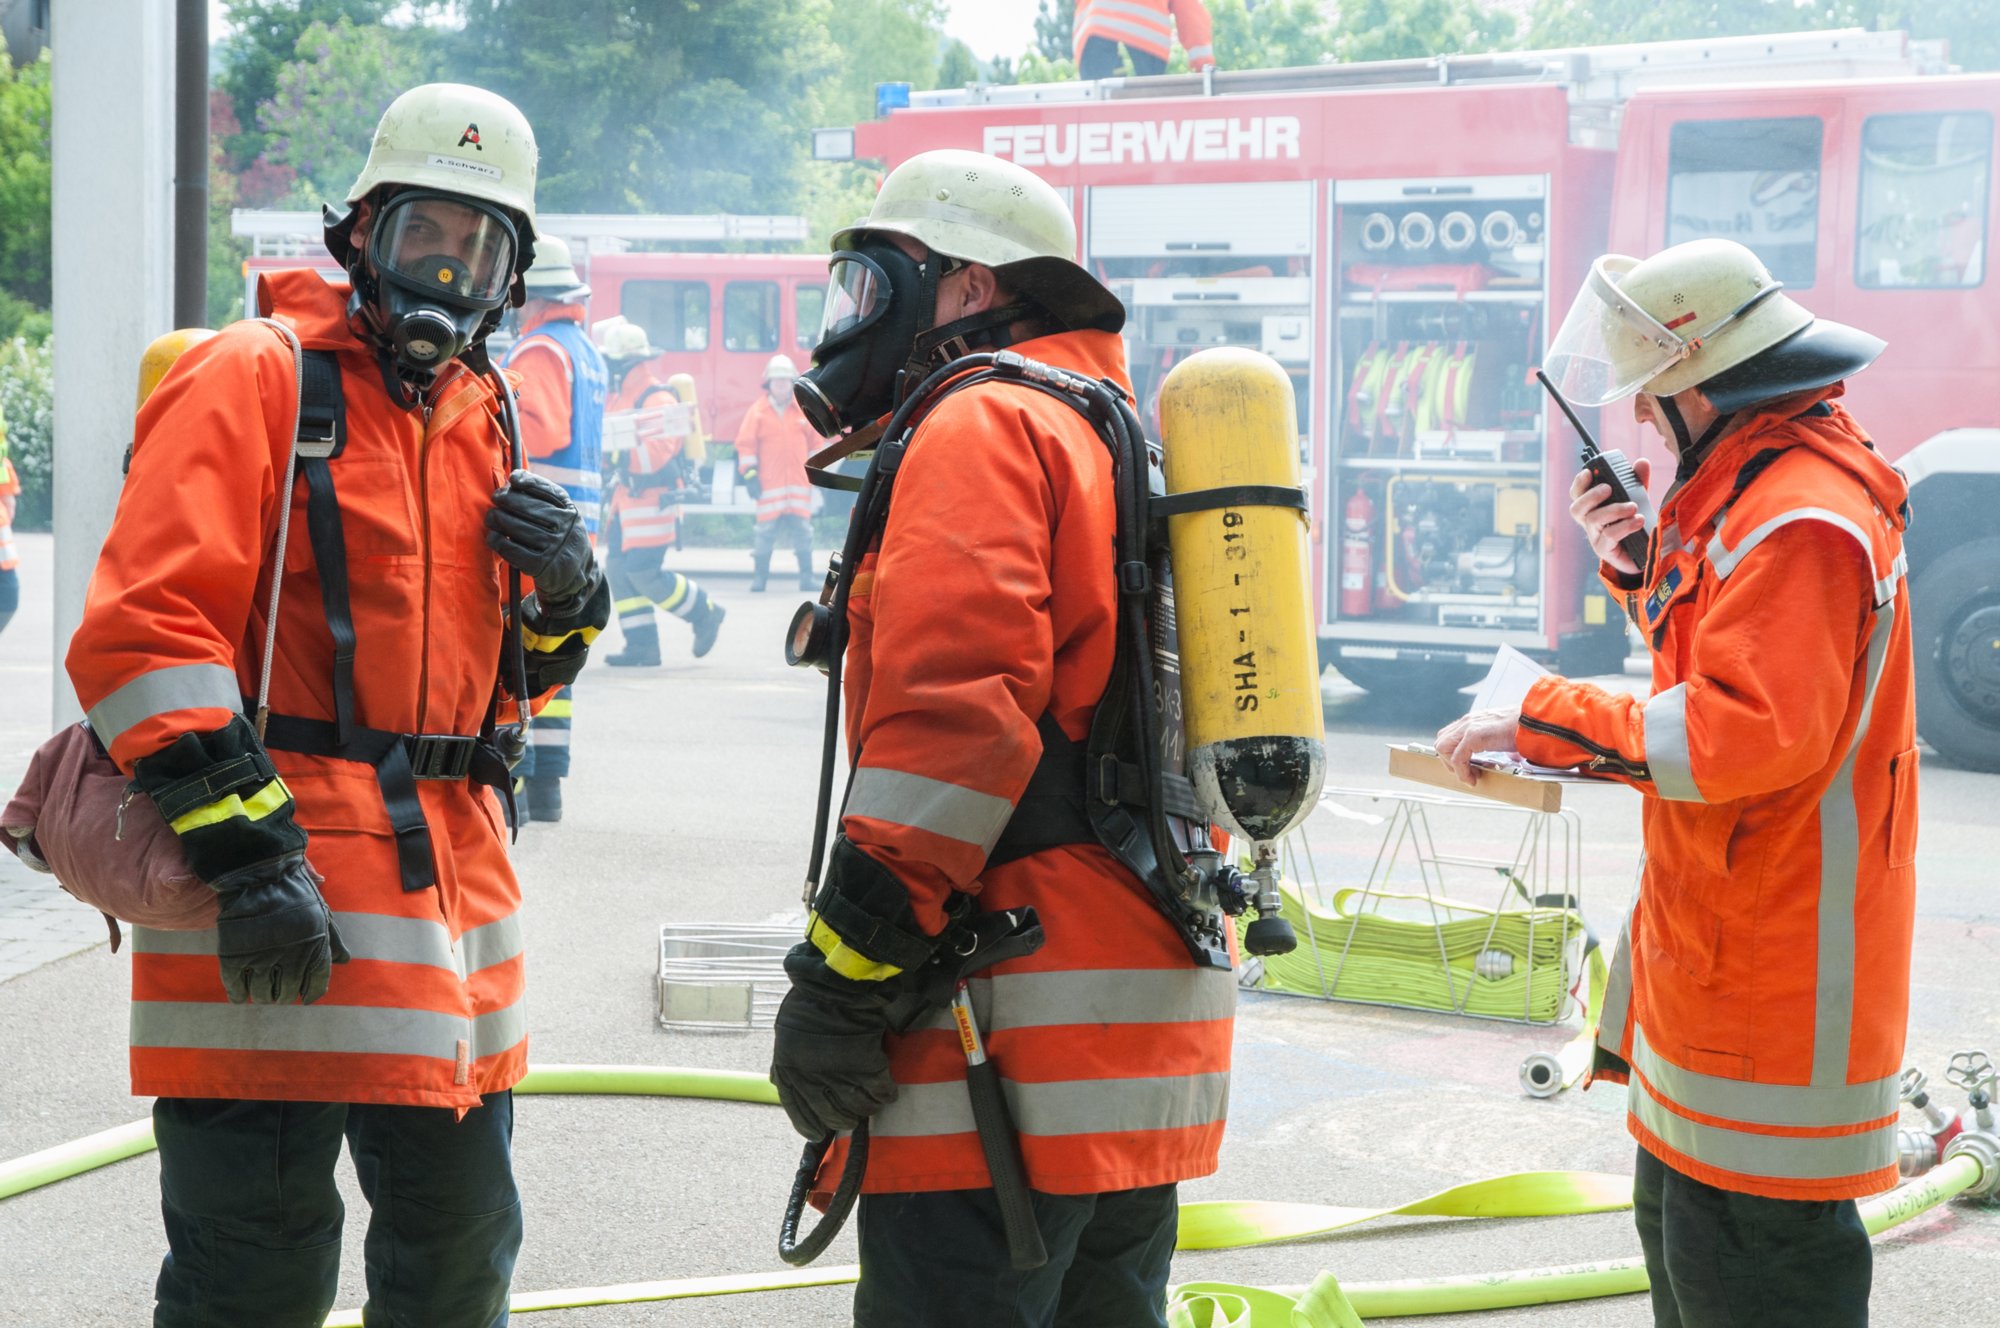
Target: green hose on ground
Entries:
(1204, 1225)
(1502, 964)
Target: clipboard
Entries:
(1537, 792)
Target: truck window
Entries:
(750, 315)
(1924, 181)
(1752, 181)
(674, 313)
(809, 304)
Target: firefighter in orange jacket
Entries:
(983, 619)
(646, 489)
(1145, 29)
(772, 445)
(352, 836)
(1758, 1000)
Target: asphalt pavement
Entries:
(692, 802)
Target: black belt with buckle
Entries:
(440, 755)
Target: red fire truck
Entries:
(1401, 236)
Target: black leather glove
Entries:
(752, 485)
(827, 1060)
(275, 935)
(862, 951)
(537, 529)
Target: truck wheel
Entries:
(1955, 629)
(1426, 682)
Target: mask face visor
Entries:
(1608, 347)
(450, 248)
(857, 294)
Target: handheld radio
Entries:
(1613, 469)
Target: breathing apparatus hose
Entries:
(1203, 1225)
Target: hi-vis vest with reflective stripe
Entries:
(1145, 25)
(578, 466)
(1760, 993)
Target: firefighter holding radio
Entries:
(1758, 999)
(981, 635)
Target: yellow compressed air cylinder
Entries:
(1256, 733)
(161, 354)
(695, 448)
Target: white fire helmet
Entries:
(619, 338)
(780, 366)
(1704, 314)
(987, 210)
(553, 276)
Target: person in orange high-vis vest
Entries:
(1144, 29)
(982, 631)
(364, 978)
(647, 484)
(1759, 995)
(772, 445)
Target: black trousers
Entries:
(1100, 60)
(1718, 1259)
(254, 1218)
(939, 1260)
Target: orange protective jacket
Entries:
(1146, 25)
(989, 602)
(1758, 1001)
(643, 504)
(429, 1012)
(778, 445)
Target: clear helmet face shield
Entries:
(1608, 347)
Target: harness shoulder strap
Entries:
(323, 436)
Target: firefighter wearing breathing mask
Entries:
(368, 939)
(1758, 998)
(985, 611)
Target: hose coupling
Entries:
(1541, 1075)
(1985, 1149)
(1916, 1152)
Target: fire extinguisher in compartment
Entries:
(1357, 556)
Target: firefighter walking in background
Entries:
(1145, 29)
(646, 487)
(352, 836)
(1759, 997)
(771, 450)
(10, 556)
(984, 619)
(563, 382)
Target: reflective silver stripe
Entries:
(927, 804)
(161, 692)
(1077, 1106)
(376, 936)
(1809, 1107)
(1725, 559)
(1664, 725)
(1130, 32)
(1839, 884)
(1133, 15)
(1202, 52)
(583, 479)
(1618, 987)
(1099, 996)
(544, 734)
(1780, 1156)
(360, 1029)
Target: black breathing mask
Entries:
(440, 267)
(878, 302)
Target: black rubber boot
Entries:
(642, 648)
(706, 626)
(762, 562)
(544, 798)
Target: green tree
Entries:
(329, 97)
(27, 399)
(1273, 34)
(264, 38)
(24, 181)
(660, 106)
(1053, 21)
(1967, 24)
(1414, 29)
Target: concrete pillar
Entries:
(113, 153)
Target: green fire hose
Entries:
(1325, 1303)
